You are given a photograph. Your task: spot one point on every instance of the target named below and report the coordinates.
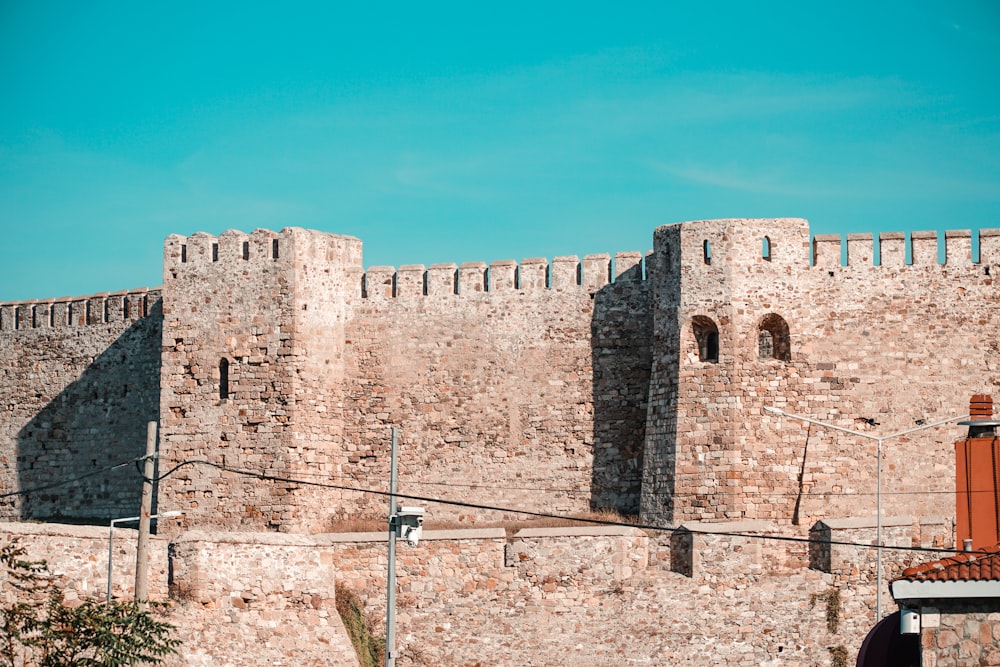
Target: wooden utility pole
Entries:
(142, 549)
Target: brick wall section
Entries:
(257, 599)
(609, 596)
(79, 379)
(242, 599)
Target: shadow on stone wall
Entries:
(97, 421)
(621, 331)
(659, 469)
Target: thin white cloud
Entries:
(769, 182)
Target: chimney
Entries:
(981, 407)
(977, 483)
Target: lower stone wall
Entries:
(78, 557)
(556, 596)
(960, 633)
(611, 596)
(254, 599)
(248, 600)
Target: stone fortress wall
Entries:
(79, 379)
(549, 596)
(576, 385)
(897, 344)
(490, 373)
(570, 385)
(636, 383)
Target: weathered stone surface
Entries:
(605, 596)
(637, 383)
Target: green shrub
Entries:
(38, 628)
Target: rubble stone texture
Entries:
(964, 633)
(566, 386)
(589, 596)
(633, 382)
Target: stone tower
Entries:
(744, 318)
(252, 370)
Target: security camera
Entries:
(410, 521)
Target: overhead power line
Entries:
(540, 489)
(70, 480)
(547, 515)
(759, 494)
(470, 505)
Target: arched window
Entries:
(224, 378)
(773, 340)
(765, 248)
(706, 250)
(706, 334)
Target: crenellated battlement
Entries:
(232, 246)
(530, 275)
(78, 311)
(640, 383)
(899, 249)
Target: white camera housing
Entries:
(410, 522)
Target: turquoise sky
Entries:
(458, 132)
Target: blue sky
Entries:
(458, 132)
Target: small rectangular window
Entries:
(274, 249)
(184, 253)
(215, 252)
(223, 378)
(246, 250)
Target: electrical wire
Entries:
(54, 485)
(469, 505)
(759, 494)
(790, 494)
(546, 515)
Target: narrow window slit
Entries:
(223, 378)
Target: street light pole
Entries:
(390, 597)
(878, 484)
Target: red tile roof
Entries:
(976, 566)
